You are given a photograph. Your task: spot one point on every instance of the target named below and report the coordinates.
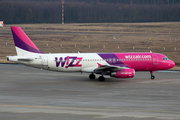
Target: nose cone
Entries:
(171, 64)
(166, 64)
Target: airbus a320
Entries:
(119, 65)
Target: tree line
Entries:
(84, 11)
(156, 2)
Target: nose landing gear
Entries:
(152, 76)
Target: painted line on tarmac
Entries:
(78, 108)
(169, 71)
(163, 81)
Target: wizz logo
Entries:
(68, 61)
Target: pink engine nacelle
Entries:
(123, 73)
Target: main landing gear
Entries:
(101, 78)
(152, 76)
(92, 76)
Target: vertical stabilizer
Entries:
(23, 43)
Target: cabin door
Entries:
(45, 62)
(155, 60)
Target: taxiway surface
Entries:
(30, 93)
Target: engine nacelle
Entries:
(123, 73)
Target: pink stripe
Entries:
(20, 33)
(67, 63)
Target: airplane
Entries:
(119, 65)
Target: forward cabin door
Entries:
(155, 62)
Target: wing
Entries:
(105, 69)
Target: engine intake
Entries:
(123, 73)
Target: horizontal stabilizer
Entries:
(25, 59)
(18, 59)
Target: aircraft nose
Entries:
(171, 64)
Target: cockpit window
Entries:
(165, 58)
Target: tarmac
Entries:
(35, 94)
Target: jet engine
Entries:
(123, 73)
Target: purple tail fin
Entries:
(22, 42)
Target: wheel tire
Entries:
(152, 77)
(92, 76)
(101, 78)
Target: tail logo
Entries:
(23, 42)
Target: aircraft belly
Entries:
(143, 66)
(72, 69)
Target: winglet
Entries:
(99, 65)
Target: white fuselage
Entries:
(72, 62)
